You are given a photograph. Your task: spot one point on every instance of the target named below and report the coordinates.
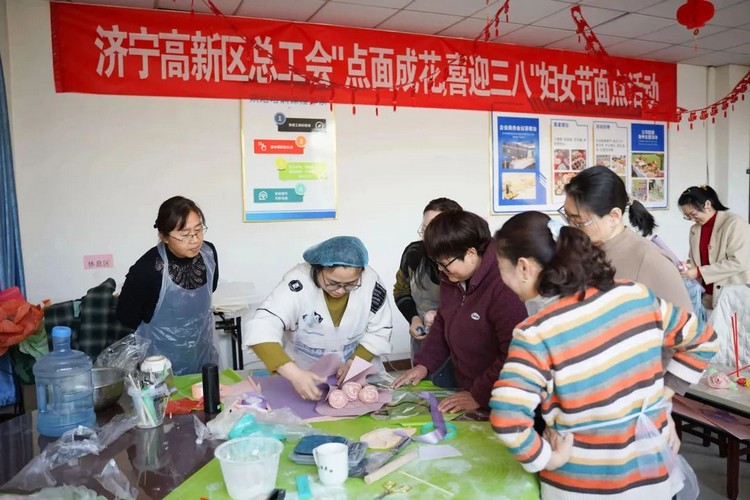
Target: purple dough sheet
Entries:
(280, 392)
(354, 408)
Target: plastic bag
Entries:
(68, 448)
(201, 431)
(116, 427)
(127, 353)
(285, 422)
(690, 488)
(226, 420)
(65, 492)
(652, 449)
(114, 481)
(404, 405)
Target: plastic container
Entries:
(157, 368)
(249, 466)
(64, 390)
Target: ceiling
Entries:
(643, 29)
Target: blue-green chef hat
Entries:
(346, 251)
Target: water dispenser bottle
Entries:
(64, 390)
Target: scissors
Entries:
(392, 489)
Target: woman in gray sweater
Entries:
(595, 202)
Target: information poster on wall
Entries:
(535, 156)
(647, 164)
(611, 147)
(570, 152)
(517, 166)
(288, 164)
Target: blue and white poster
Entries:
(648, 164)
(535, 157)
(517, 179)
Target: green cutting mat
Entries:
(486, 470)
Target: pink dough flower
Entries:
(718, 381)
(337, 399)
(351, 389)
(369, 394)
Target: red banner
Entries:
(112, 50)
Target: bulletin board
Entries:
(288, 161)
(534, 156)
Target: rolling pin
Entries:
(390, 467)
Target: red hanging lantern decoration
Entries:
(694, 14)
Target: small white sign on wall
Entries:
(98, 261)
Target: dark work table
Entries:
(155, 461)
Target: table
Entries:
(166, 461)
(731, 436)
(155, 461)
(486, 470)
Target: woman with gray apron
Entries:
(417, 287)
(166, 296)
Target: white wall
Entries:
(91, 171)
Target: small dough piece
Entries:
(385, 438)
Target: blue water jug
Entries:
(64, 390)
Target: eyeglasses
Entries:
(188, 235)
(420, 230)
(332, 287)
(445, 267)
(691, 215)
(566, 219)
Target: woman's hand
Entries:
(416, 328)
(413, 376)
(458, 402)
(429, 318)
(304, 382)
(341, 372)
(562, 448)
(689, 272)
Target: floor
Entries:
(711, 470)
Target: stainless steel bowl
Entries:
(108, 386)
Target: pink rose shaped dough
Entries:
(369, 394)
(351, 389)
(718, 381)
(337, 399)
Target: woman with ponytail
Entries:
(595, 202)
(591, 359)
(719, 243)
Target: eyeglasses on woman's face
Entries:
(569, 219)
(445, 267)
(186, 234)
(333, 286)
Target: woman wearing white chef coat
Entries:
(332, 303)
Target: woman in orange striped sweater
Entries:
(591, 357)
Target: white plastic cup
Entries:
(249, 466)
(332, 460)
